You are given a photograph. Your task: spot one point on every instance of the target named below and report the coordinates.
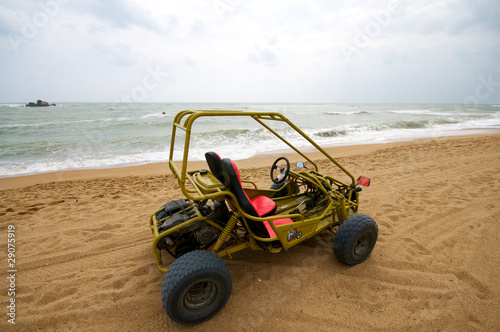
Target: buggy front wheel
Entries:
(355, 239)
(196, 287)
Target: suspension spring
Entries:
(228, 229)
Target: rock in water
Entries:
(39, 103)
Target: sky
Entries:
(294, 51)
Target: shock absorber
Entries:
(223, 236)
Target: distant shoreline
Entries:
(162, 168)
(472, 132)
(95, 136)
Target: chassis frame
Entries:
(338, 200)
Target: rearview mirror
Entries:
(300, 164)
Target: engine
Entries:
(195, 235)
(206, 234)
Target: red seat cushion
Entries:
(276, 222)
(260, 206)
(264, 206)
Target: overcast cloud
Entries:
(319, 51)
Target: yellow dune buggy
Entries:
(221, 214)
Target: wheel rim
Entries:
(200, 295)
(362, 244)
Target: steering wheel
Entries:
(283, 172)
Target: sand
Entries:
(84, 260)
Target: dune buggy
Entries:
(221, 214)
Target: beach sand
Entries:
(84, 260)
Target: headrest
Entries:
(233, 182)
(215, 164)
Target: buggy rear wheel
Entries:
(186, 247)
(355, 239)
(195, 287)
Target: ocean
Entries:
(96, 135)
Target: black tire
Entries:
(276, 186)
(186, 247)
(292, 189)
(355, 239)
(196, 287)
